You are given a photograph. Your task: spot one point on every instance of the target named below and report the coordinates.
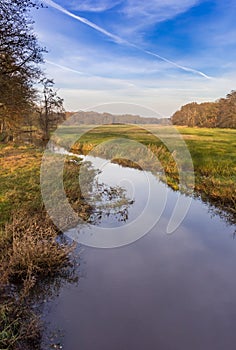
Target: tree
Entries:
(16, 103)
(221, 113)
(20, 55)
(19, 49)
(187, 115)
(50, 109)
(227, 111)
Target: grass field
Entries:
(213, 153)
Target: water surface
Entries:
(167, 292)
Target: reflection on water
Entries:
(48, 289)
(161, 292)
(110, 202)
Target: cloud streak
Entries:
(114, 37)
(187, 69)
(64, 67)
(156, 10)
(93, 5)
(117, 39)
(106, 79)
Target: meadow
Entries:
(212, 151)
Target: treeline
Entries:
(107, 118)
(22, 106)
(218, 114)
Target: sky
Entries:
(147, 57)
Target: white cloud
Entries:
(56, 6)
(140, 15)
(156, 10)
(118, 40)
(81, 70)
(67, 77)
(165, 95)
(92, 5)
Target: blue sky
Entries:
(158, 54)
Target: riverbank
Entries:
(212, 152)
(30, 245)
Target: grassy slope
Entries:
(214, 157)
(29, 249)
(19, 185)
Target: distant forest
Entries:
(218, 114)
(91, 117)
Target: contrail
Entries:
(65, 68)
(114, 37)
(119, 40)
(127, 83)
(187, 69)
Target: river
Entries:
(161, 291)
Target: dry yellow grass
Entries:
(30, 245)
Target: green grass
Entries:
(213, 153)
(19, 185)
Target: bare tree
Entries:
(50, 110)
(20, 55)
